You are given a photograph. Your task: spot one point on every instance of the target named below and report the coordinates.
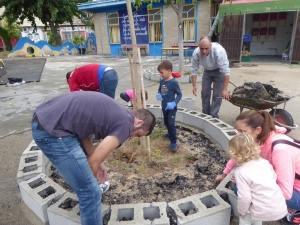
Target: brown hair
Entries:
(255, 119)
(243, 148)
(68, 75)
(166, 65)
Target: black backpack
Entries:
(282, 141)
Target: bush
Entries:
(52, 40)
(6, 38)
(77, 39)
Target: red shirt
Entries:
(85, 78)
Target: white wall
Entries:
(282, 37)
(39, 30)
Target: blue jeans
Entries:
(294, 202)
(69, 159)
(169, 121)
(109, 83)
(217, 79)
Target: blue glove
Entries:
(170, 106)
(158, 97)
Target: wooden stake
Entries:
(132, 156)
(143, 96)
(132, 81)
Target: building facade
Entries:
(262, 27)
(155, 28)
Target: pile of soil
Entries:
(259, 90)
(165, 175)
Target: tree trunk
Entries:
(180, 36)
(54, 29)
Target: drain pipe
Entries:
(214, 26)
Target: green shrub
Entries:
(6, 38)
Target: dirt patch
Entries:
(165, 176)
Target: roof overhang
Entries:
(98, 6)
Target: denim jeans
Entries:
(69, 159)
(169, 121)
(217, 79)
(294, 202)
(109, 82)
(125, 97)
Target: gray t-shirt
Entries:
(86, 115)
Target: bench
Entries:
(187, 44)
(127, 48)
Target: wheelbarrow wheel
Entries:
(282, 116)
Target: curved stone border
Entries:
(152, 74)
(210, 208)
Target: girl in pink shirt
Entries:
(128, 97)
(284, 158)
(256, 182)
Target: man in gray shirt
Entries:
(62, 125)
(213, 57)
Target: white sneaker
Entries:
(104, 187)
(129, 104)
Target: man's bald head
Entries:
(204, 45)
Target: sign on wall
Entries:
(140, 19)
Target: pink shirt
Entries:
(285, 160)
(130, 94)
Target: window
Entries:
(154, 21)
(114, 27)
(189, 21)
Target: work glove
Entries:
(170, 106)
(158, 97)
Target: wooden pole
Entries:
(132, 81)
(143, 96)
(134, 52)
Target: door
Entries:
(295, 47)
(231, 36)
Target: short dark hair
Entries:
(148, 118)
(166, 65)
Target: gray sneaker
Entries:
(104, 187)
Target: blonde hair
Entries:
(243, 148)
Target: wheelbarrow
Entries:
(281, 117)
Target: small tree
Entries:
(52, 40)
(77, 39)
(13, 30)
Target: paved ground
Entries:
(18, 103)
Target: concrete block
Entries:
(38, 193)
(133, 213)
(58, 215)
(30, 166)
(188, 103)
(194, 118)
(156, 110)
(226, 186)
(183, 79)
(179, 114)
(140, 214)
(219, 131)
(32, 148)
(157, 213)
(202, 209)
(64, 216)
